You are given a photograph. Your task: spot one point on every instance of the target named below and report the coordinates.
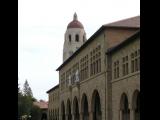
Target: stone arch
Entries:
(96, 106)
(136, 104)
(44, 116)
(68, 111)
(63, 110)
(84, 107)
(124, 107)
(75, 109)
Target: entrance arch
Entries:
(63, 111)
(84, 106)
(136, 105)
(69, 115)
(44, 116)
(96, 106)
(124, 107)
(75, 109)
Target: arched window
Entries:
(124, 108)
(96, 106)
(69, 115)
(136, 105)
(77, 38)
(83, 38)
(70, 38)
(63, 111)
(84, 104)
(76, 109)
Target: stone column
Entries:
(66, 117)
(91, 115)
(73, 116)
(81, 116)
(120, 114)
(132, 114)
(60, 117)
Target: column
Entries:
(73, 116)
(81, 116)
(132, 114)
(120, 114)
(66, 117)
(91, 115)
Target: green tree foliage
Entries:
(25, 103)
(35, 113)
(27, 90)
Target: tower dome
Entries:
(75, 37)
(75, 23)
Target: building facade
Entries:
(100, 80)
(53, 104)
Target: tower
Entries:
(75, 36)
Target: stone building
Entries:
(101, 79)
(53, 104)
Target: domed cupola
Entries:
(75, 23)
(75, 36)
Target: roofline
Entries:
(123, 43)
(91, 39)
(55, 87)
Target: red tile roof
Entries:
(130, 22)
(41, 104)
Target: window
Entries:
(135, 61)
(62, 81)
(83, 38)
(77, 38)
(74, 69)
(116, 69)
(70, 38)
(125, 65)
(95, 61)
(68, 73)
(84, 68)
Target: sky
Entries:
(41, 28)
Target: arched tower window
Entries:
(70, 38)
(83, 38)
(77, 38)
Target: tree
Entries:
(35, 113)
(27, 90)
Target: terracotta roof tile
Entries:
(130, 22)
(41, 104)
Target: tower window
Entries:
(77, 38)
(83, 38)
(69, 38)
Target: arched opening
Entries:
(96, 106)
(44, 116)
(84, 38)
(85, 113)
(70, 39)
(63, 111)
(75, 109)
(136, 105)
(77, 38)
(124, 107)
(55, 114)
(69, 115)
